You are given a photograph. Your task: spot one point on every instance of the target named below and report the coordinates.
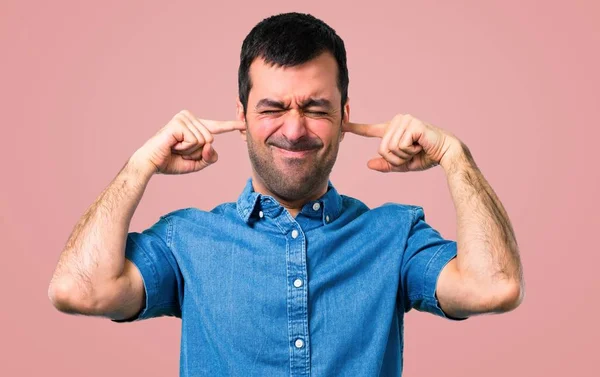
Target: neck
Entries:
(294, 206)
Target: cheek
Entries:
(261, 129)
(268, 124)
(324, 130)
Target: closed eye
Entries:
(314, 113)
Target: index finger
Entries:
(219, 127)
(367, 130)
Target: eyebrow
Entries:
(311, 102)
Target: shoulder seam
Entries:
(167, 218)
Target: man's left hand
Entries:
(407, 144)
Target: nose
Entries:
(294, 126)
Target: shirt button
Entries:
(327, 218)
(294, 233)
(261, 214)
(316, 206)
(298, 283)
(299, 343)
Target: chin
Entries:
(291, 179)
(294, 186)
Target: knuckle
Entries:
(178, 123)
(389, 159)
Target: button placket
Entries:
(297, 297)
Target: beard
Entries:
(293, 178)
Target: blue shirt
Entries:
(261, 293)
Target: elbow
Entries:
(63, 296)
(515, 293)
(507, 298)
(67, 297)
(494, 299)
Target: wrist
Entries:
(456, 158)
(141, 166)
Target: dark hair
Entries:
(288, 40)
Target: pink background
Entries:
(84, 85)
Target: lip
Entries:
(294, 154)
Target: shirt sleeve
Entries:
(426, 254)
(150, 251)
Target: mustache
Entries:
(302, 144)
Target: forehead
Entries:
(317, 77)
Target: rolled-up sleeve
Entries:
(150, 251)
(425, 255)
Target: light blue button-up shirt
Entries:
(261, 293)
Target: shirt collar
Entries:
(329, 208)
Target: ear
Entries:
(240, 116)
(346, 117)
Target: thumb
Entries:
(379, 164)
(209, 154)
(382, 165)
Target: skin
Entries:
(294, 128)
(93, 277)
(487, 275)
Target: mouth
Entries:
(294, 154)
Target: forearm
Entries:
(488, 254)
(94, 255)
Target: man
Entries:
(292, 279)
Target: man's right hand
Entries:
(184, 145)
